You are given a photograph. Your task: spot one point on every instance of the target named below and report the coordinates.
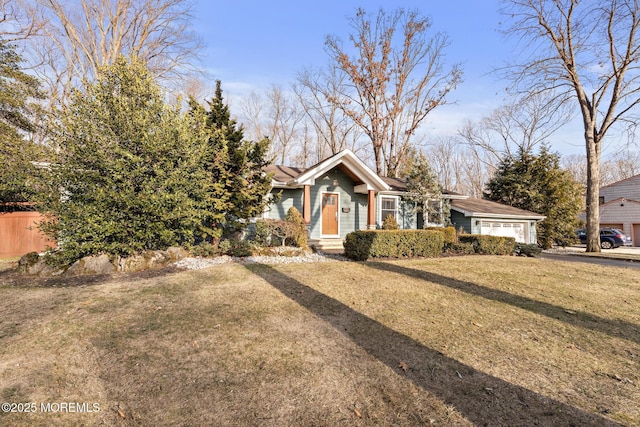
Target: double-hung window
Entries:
(388, 206)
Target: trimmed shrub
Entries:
(271, 232)
(290, 231)
(206, 250)
(239, 248)
(489, 245)
(299, 231)
(361, 245)
(449, 234)
(390, 223)
(262, 233)
(459, 248)
(530, 250)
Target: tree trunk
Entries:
(593, 192)
(377, 154)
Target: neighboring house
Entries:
(342, 194)
(620, 207)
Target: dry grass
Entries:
(452, 341)
(8, 263)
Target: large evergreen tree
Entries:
(240, 168)
(18, 93)
(424, 189)
(131, 172)
(537, 183)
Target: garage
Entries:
(478, 216)
(506, 229)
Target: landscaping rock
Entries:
(177, 253)
(151, 259)
(35, 265)
(97, 264)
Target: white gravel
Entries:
(199, 263)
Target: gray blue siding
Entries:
(352, 207)
(289, 198)
(460, 221)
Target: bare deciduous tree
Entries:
(461, 168)
(335, 131)
(17, 21)
(586, 52)
(253, 108)
(284, 119)
(515, 128)
(621, 165)
(77, 37)
(395, 79)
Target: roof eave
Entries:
(496, 215)
(346, 157)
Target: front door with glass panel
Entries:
(329, 214)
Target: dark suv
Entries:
(609, 237)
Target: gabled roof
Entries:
(620, 200)
(400, 185)
(283, 173)
(486, 208)
(622, 181)
(285, 176)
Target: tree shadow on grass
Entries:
(483, 399)
(614, 328)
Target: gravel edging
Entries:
(198, 263)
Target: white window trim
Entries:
(385, 196)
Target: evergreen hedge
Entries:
(449, 234)
(361, 245)
(489, 245)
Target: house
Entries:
(620, 207)
(342, 194)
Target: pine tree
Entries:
(424, 189)
(131, 172)
(18, 92)
(245, 183)
(537, 183)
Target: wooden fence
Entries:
(19, 235)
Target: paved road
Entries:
(611, 262)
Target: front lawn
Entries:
(477, 340)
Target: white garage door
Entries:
(517, 230)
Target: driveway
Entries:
(619, 257)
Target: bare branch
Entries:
(75, 38)
(593, 47)
(394, 80)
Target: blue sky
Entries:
(253, 44)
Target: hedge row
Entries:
(489, 245)
(449, 234)
(361, 245)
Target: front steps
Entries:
(327, 245)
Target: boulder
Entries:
(151, 259)
(96, 264)
(177, 253)
(36, 265)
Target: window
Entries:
(389, 206)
